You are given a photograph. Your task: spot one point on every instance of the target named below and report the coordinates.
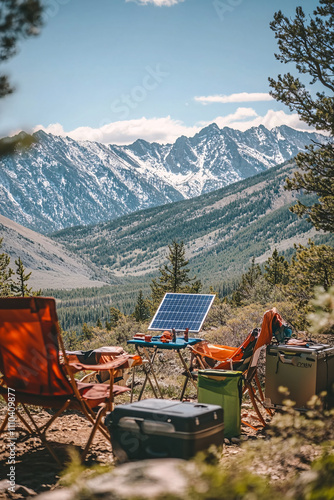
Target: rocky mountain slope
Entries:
(51, 264)
(222, 231)
(60, 182)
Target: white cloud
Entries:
(167, 130)
(270, 120)
(240, 97)
(158, 3)
(239, 115)
(161, 130)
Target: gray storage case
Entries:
(304, 371)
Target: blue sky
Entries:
(116, 70)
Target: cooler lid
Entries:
(312, 348)
(167, 406)
(220, 373)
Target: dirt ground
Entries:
(37, 471)
(35, 468)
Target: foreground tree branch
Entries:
(310, 45)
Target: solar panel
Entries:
(181, 311)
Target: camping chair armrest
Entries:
(124, 361)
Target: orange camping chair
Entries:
(31, 371)
(243, 358)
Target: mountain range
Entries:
(60, 182)
(222, 231)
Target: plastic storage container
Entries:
(159, 428)
(223, 388)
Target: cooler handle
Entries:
(284, 360)
(287, 361)
(156, 454)
(131, 423)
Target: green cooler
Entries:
(223, 388)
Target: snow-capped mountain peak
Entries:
(60, 182)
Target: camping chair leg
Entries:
(258, 385)
(45, 427)
(96, 426)
(3, 426)
(253, 400)
(249, 425)
(41, 436)
(91, 416)
(25, 423)
(200, 361)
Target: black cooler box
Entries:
(305, 371)
(158, 428)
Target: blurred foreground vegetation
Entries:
(292, 459)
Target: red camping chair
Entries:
(243, 358)
(30, 368)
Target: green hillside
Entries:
(222, 230)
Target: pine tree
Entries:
(310, 45)
(311, 267)
(115, 315)
(20, 288)
(70, 340)
(174, 276)
(141, 312)
(248, 282)
(87, 332)
(98, 323)
(5, 274)
(276, 269)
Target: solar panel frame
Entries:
(174, 304)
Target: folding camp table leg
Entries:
(147, 373)
(132, 383)
(188, 375)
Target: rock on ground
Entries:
(145, 479)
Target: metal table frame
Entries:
(142, 348)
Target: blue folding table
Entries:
(142, 347)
